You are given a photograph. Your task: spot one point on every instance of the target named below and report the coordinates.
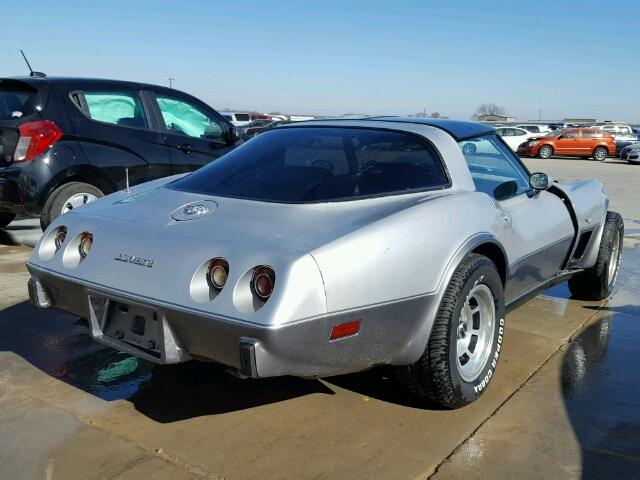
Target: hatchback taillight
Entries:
(35, 139)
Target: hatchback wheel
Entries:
(66, 198)
(600, 154)
(545, 152)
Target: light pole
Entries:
(170, 79)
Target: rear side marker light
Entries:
(35, 139)
(345, 330)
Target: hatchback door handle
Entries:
(184, 148)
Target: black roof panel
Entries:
(458, 129)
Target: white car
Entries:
(238, 119)
(615, 129)
(514, 137)
(535, 128)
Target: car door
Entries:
(568, 143)
(588, 141)
(518, 137)
(115, 132)
(195, 133)
(536, 228)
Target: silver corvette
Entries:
(328, 247)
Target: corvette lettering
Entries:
(143, 262)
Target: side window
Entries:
(118, 108)
(186, 119)
(570, 134)
(491, 164)
(591, 134)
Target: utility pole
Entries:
(170, 79)
(539, 114)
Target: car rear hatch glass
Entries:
(20, 102)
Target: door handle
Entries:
(184, 148)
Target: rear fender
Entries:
(414, 350)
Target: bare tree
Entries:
(488, 109)
(435, 115)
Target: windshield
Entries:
(312, 164)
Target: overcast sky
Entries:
(332, 57)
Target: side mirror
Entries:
(539, 181)
(559, 137)
(233, 135)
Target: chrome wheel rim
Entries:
(475, 332)
(546, 152)
(614, 260)
(77, 200)
(600, 155)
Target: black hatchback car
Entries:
(67, 141)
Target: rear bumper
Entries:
(387, 335)
(11, 199)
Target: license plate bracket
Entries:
(136, 325)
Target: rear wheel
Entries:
(463, 349)
(597, 282)
(6, 218)
(66, 198)
(600, 154)
(545, 152)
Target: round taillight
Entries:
(86, 242)
(60, 237)
(217, 273)
(264, 279)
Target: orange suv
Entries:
(581, 142)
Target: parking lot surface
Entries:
(564, 402)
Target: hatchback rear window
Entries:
(17, 103)
(315, 164)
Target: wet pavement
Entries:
(579, 416)
(564, 403)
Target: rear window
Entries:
(17, 103)
(314, 164)
(242, 117)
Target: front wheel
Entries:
(600, 154)
(545, 152)
(6, 218)
(462, 352)
(597, 282)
